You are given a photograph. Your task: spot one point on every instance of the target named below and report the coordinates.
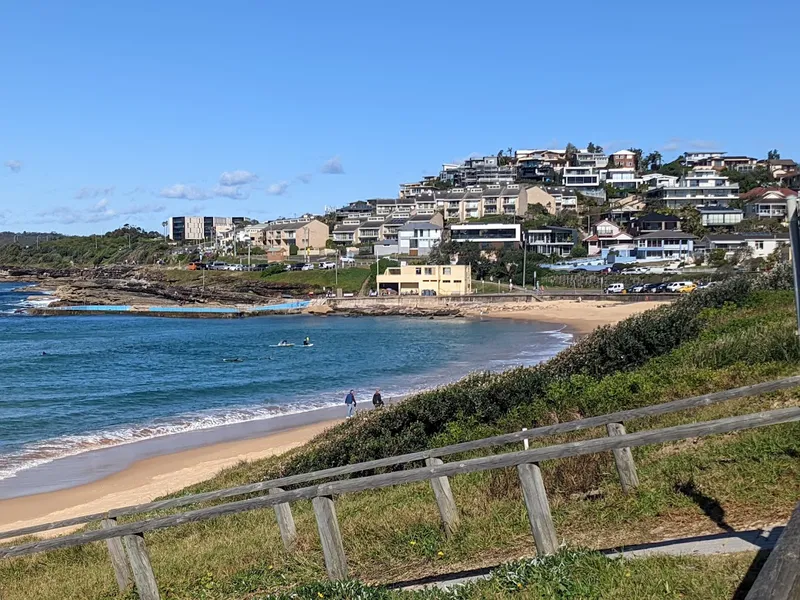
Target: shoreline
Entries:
(141, 471)
(149, 478)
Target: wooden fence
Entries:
(779, 578)
(131, 561)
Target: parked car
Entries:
(308, 267)
(218, 265)
(260, 267)
(327, 265)
(616, 288)
(636, 289)
(677, 285)
(295, 267)
(687, 289)
(650, 288)
(428, 293)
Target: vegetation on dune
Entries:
(131, 245)
(740, 334)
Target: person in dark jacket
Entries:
(377, 400)
(350, 401)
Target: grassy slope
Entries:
(350, 280)
(393, 534)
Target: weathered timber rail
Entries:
(779, 578)
(611, 419)
(137, 565)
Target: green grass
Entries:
(692, 487)
(350, 280)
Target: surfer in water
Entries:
(307, 341)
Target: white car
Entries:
(676, 285)
(308, 267)
(327, 265)
(615, 288)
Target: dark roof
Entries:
(782, 161)
(385, 201)
(423, 218)
(346, 228)
(419, 225)
(671, 235)
(657, 218)
(395, 221)
(725, 237)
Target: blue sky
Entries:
(113, 113)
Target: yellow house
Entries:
(426, 280)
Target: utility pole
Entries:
(794, 237)
(524, 258)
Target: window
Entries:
(445, 281)
(428, 270)
(456, 281)
(419, 271)
(446, 271)
(759, 245)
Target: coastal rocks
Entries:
(399, 311)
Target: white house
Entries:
(702, 186)
(720, 216)
(767, 203)
(654, 180)
(756, 244)
(665, 245)
(623, 178)
(607, 235)
(417, 238)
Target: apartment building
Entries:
(586, 180)
(767, 203)
(556, 159)
(535, 168)
(426, 280)
(346, 232)
(478, 171)
(488, 235)
(196, 229)
(428, 184)
(779, 167)
(665, 245)
(355, 209)
(553, 199)
(551, 240)
(388, 206)
(477, 202)
(417, 238)
(624, 159)
(743, 164)
(654, 180)
(304, 233)
(655, 222)
(623, 178)
(693, 159)
(702, 186)
(720, 216)
(596, 160)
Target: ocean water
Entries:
(111, 380)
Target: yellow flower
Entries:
(413, 543)
(519, 585)
(627, 573)
(441, 553)
(320, 594)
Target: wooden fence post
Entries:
(444, 499)
(122, 570)
(331, 537)
(624, 459)
(283, 513)
(143, 575)
(544, 532)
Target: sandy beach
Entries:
(167, 471)
(148, 479)
(581, 317)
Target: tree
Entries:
(579, 251)
(652, 161)
(691, 221)
(637, 161)
(674, 168)
(717, 258)
(773, 155)
(758, 177)
(570, 153)
(590, 147)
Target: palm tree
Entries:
(164, 225)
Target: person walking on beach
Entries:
(350, 401)
(377, 400)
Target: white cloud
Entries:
(184, 192)
(94, 192)
(14, 165)
(232, 178)
(97, 213)
(332, 166)
(703, 145)
(278, 189)
(230, 191)
(304, 178)
(671, 145)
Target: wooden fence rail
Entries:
(611, 419)
(779, 578)
(498, 461)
